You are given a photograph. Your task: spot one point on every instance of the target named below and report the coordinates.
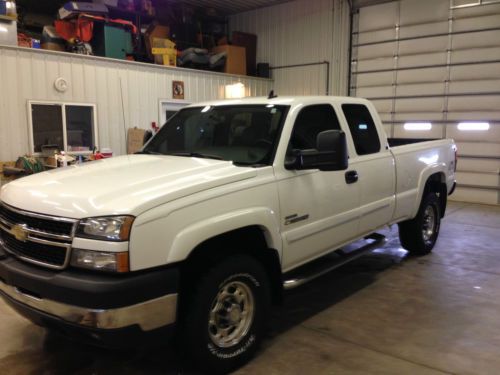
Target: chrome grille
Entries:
(35, 238)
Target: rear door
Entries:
(373, 163)
(319, 210)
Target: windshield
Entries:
(243, 134)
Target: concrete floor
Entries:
(383, 314)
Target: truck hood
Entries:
(121, 185)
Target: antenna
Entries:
(272, 95)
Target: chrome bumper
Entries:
(149, 315)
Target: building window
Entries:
(70, 127)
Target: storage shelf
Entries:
(7, 18)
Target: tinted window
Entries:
(80, 128)
(311, 121)
(363, 130)
(244, 134)
(47, 126)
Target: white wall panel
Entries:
(27, 74)
(383, 16)
(420, 105)
(423, 11)
(424, 45)
(383, 107)
(476, 54)
(474, 86)
(476, 39)
(423, 75)
(375, 92)
(374, 79)
(299, 32)
(422, 59)
(420, 30)
(473, 103)
(418, 89)
(476, 71)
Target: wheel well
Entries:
(248, 240)
(436, 183)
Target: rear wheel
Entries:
(225, 317)
(420, 234)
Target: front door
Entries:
(319, 210)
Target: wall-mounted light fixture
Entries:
(418, 126)
(235, 91)
(472, 126)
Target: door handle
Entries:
(351, 177)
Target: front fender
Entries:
(193, 235)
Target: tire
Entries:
(226, 315)
(420, 234)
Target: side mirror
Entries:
(330, 153)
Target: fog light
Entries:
(100, 260)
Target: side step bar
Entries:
(329, 262)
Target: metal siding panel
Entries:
(423, 11)
(30, 75)
(294, 33)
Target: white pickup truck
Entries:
(231, 203)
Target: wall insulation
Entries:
(302, 32)
(438, 62)
(27, 74)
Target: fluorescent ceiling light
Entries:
(418, 126)
(235, 91)
(471, 126)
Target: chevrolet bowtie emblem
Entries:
(19, 232)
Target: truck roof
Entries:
(283, 100)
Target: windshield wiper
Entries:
(196, 155)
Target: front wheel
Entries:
(420, 234)
(224, 323)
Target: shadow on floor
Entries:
(60, 355)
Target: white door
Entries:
(374, 166)
(319, 209)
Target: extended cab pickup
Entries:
(221, 211)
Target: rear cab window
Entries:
(363, 130)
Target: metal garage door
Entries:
(432, 68)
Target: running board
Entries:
(331, 261)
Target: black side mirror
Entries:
(330, 153)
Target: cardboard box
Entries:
(53, 47)
(152, 32)
(235, 59)
(135, 139)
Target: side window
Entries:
(363, 130)
(311, 121)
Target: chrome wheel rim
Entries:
(429, 224)
(231, 314)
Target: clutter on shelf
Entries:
(175, 34)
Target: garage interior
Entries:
(432, 70)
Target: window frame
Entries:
(375, 126)
(64, 124)
(169, 104)
(309, 105)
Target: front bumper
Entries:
(148, 315)
(89, 303)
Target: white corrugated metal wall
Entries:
(435, 61)
(27, 74)
(302, 32)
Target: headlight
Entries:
(112, 228)
(100, 261)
